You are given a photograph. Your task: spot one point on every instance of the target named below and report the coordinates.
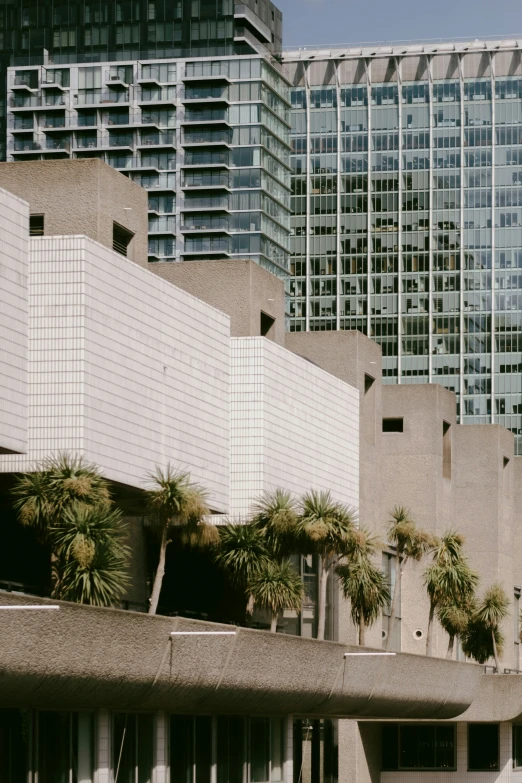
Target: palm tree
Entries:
(455, 619)
(325, 527)
(410, 543)
(176, 504)
(363, 584)
(486, 621)
(449, 579)
(275, 517)
(57, 491)
(241, 553)
(275, 587)
(91, 555)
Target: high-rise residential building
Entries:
(407, 212)
(187, 98)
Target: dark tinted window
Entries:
(390, 746)
(483, 746)
(392, 425)
(418, 746)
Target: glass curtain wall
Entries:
(406, 201)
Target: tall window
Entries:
(418, 746)
(132, 748)
(65, 747)
(483, 747)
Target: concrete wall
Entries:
(125, 368)
(293, 426)
(81, 197)
(241, 289)
(14, 322)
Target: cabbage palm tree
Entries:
(484, 636)
(275, 517)
(410, 543)
(324, 527)
(449, 579)
(455, 619)
(176, 505)
(276, 587)
(363, 584)
(241, 553)
(49, 498)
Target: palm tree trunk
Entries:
(273, 623)
(495, 651)
(449, 654)
(429, 633)
(395, 599)
(250, 605)
(362, 633)
(160, 572)
(323, 579)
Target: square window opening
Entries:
(36, 225)
(121, 239)
(393, 425)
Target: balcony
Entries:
(217, 203)
(97, 97)
(23, 124)
(24, 147)
(162, 225)
(167, 95)
(54, 80)
(204, 245)
(215, 224)
(206, 71)
(215, 94)
(217, 137)
(119, 76)
(206, 181)
(57, 145)
(143, 163)
(85, 143)
(157, 140)
(218, 159)
(165, 183)
(26, 81)
(196, 116)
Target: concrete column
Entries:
(103, 755)
(161, 758)
(288, 768)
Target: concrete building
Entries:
(123, 366)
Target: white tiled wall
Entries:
(293, 426)
(14, 240)
(124, 368)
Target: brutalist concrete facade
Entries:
(82, 197)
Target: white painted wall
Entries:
(14, 317)
(294, 426)
(124, 368)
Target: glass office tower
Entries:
(407, 202)
(186, 97)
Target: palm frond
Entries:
(241, 552)
(100, 582)
(274, 514)
(277, 586)
(173, 499)
(493, 608)
(366, 587)
(324, 525)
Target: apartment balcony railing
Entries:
(207, 137)
(210, 224)
(206, 202)
(207, 245)
(161, 182)
(24, 81)
(96, 96)
(119, 76)
(206, 159)
(165, 95)
(157, 74)
(157, 140)
(165, 225)
(143, 163)
(52, 79)
(215, 93)
(86, 142)
(24, 145)
(210, 180)
(54, 144)
(23, 123)
(126, 140)
(17, 102)
(206, 115)
(206, 70)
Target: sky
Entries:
(327, 22)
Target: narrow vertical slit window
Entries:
(446, 450)
(121, 239)
(36, 225)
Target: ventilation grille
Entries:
(36, 225)
(121, 238)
